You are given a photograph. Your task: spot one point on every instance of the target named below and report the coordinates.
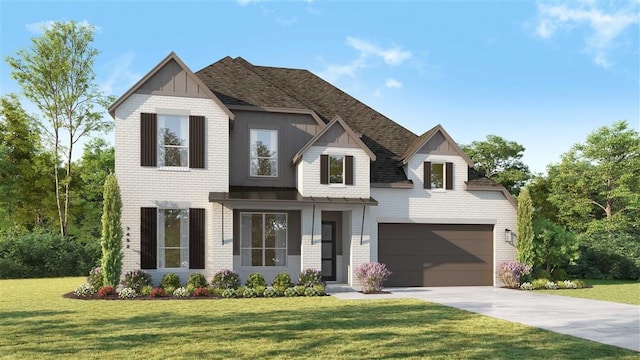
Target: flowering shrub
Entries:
(372, 275)
(95, 277)
(510, 272)
(550, 285)
(570, 284)
(310, 277)
(270, 292)
(136, 280)
(311, 291)
(201, 291)
(250, 293)
(256, 279)
(157, 292)
(282, 282)
(85, 290)
(226, 279)
(181, 292)
(128, 293)
(526, 286)
(229, 293)
(106, 291)
(290, 292)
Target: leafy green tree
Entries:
(539, 190)
(111, 232)
(599, 180)
(553, 246)
(25, 186)
(500, 160)
(524, 244)
(56, 74)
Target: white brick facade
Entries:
(457, 206)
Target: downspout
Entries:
(222, 230)
(313, 222)
(364, 207)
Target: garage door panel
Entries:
(437, 254)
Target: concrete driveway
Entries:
(601, 321)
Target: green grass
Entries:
(36, 322)
(620, 291)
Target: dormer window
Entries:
(336, 169)
(264, 153)
(173, 141)
(438, 175)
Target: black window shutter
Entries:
(196, 238)
(148, 237)
(427, 174)
(449, 176)
(324, 169)
(148, 139)
(196, 142)
(348, 170)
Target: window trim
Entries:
(274, 157)
(264, 248)
(343, 182)
(186, 126)
(184, 230)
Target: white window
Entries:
(173, 238)
(336, 169)
(437, 176)
(264, 152)
(263, 239)
(173, 141)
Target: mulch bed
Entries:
(72, 295)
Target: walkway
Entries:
(601, 321)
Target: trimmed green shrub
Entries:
(539, 283)
(311, 291)
(255, 279)
(170, 280)
(300, 289)
(282, 282)
(260, 290)
(560, 285)
(226, 279)
(579, 284)
(320, 289)
(111, 240)
(310, 277)
(197, 280)
(146, 290)
(136, 279)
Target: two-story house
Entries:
(263, 169)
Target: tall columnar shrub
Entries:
(524, 243)
(511, 273)
(372, 276)
(111, 240)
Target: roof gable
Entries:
(333, 133)
(173, 78)
(435, 141)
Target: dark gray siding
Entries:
(294, 131)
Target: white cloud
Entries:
(393, 83)
(369, 55)
(605, 24)
(38, 28)
(120, 76)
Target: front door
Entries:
(329, 250)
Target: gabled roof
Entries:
(238, 82)
(337, 121)
(171, 57)
(423, 139)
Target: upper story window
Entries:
(438, 175)
(173, 141)
(264, 153)
(336, 169)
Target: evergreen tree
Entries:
(111, 232)
(524, 243)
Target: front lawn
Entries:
(620, 291)
(37, 322)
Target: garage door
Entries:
(436, 254)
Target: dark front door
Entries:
(329, 250)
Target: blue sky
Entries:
(543, 74)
